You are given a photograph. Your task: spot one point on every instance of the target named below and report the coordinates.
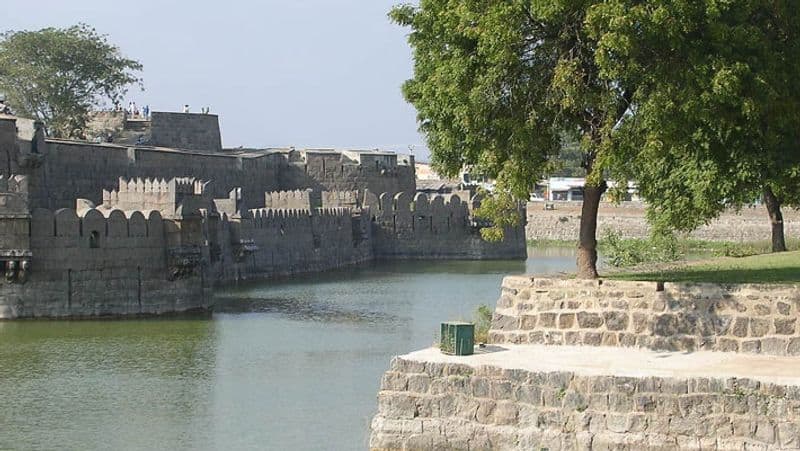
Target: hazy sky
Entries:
(279, 73)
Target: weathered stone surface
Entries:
(742, 396)
(250, 217)
(587, 320)
(628, 219)
(527, 408)
(688, 317)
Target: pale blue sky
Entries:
(289, 72)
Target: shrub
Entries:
(621, 252)
(483, 322)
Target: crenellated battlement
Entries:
(404, 206)
(95, 224)
(142, 218)
(14, 196)
(441, 226)
(14, 184)
(173, 197)
(340, 199)
(176, 185)
(288, 200)
(267, 217)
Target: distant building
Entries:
(426, 172)
(571, 189)
(565, 188)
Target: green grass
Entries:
(733, 248)
(690, 246)
(782, 267)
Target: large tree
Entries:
(716, 122)
(59, 75)
(497, 83)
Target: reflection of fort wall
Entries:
(52, 367)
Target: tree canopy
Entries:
(716, 122)
(497, 84)
(695, 100)
(59, 75)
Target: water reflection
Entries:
(291, 364)
(100, 384)
(299, 309)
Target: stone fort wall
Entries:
(185, 131)
(416, 226)
(76, 244)
(91, 265)
(64, 171)
(269, 243)
(346, 171)
(75, 170)
(628, 219)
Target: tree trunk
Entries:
(776, 218)
(587, 242)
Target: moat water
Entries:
(292, 365)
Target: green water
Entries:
(291, 365)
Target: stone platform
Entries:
(603, 364)
(524, 397)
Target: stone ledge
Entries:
(748, 318)
(569, 397)
(607, 361)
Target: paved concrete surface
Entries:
(599, 361)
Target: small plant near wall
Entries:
(483, 322)
(623, 252)
(448, 344)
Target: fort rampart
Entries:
(92, 265)
(269, 243)
(114, 229)
(443, 226)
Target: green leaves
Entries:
(500, 81)
(716, 112)
(59, 75)
(698, 101)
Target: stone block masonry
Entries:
(598, 364)
(90, 265)
(103, 229)
(274, 243)
(535, 397)
(628, 219)
(186, 131)
(748, 318)
(417, 226)
(72, 170)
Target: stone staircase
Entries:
(602, 364)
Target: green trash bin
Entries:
(457, 338)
